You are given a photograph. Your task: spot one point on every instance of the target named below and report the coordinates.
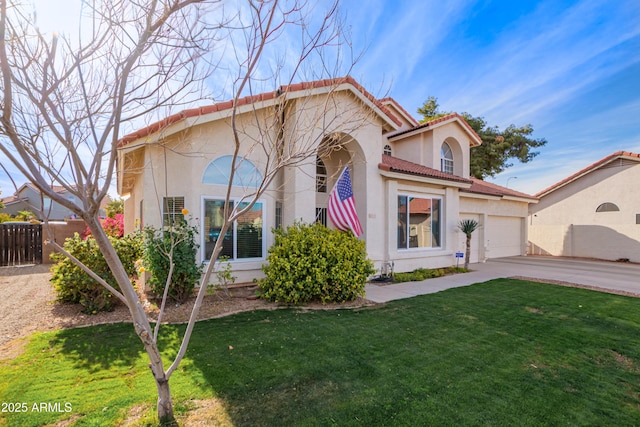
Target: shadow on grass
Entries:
(107, 346)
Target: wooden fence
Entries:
(20, 244)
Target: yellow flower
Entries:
(141, 270)
(185, 211)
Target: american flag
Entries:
(342, 206)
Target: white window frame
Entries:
(446, 163)
(235, 201)
(169, 217)
(440, 222)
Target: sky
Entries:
(571, 69)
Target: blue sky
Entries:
(569, 68)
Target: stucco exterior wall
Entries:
(503, 226)
(565, 222)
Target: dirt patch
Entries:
(27, 305)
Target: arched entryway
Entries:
(335, 152)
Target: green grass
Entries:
(505, 352)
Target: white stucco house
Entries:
(411, 181)
(594, 213)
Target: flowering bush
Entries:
(114, 227)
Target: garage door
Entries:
(504, 236)
(475, 239)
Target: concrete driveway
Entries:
(609, 275)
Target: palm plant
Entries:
(468, 226)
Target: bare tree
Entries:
(67, 100)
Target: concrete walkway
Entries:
(603, 274)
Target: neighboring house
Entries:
(27, 198)
(594, 213)
(411, 181)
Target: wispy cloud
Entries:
(548, 56)
(400, 36)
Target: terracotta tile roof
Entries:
(588, 169)
(390, 100)
(482, 187)
(394, 164)
(440, 120)
(194, 112)
(478, 186)
(10, 199)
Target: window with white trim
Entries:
(446, 159)
(243, 240)
(321, 176)
(419, 222)
(172, 210)
(387, 150)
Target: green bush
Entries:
(186, 272)
(313, 263)
(426, 273)
(73, 285)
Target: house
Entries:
(27, 198)
(594, 213)
(411, 181)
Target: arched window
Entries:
(608, 207)
(321, 176)
(219, 170)
(446, 158)
(387, 150)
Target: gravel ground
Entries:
(27, 305)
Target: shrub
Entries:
(186, 271)
(4, 217)
(73, 285)
(114, 208)
(313, 263)
(113, 227)
(426, 273)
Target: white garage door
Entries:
(504, 236)
(475, 239)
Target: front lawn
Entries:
(506, 352)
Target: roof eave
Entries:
(406, 176)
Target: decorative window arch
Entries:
(446, 158)
(608, 207)
(219, 170)
(321, 176)
(387, 150)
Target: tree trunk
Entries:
(467, 254)
(165, 405)
(140, 320)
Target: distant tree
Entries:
(25, 216)
(1, 204)
(114, 207)
(498, 147)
